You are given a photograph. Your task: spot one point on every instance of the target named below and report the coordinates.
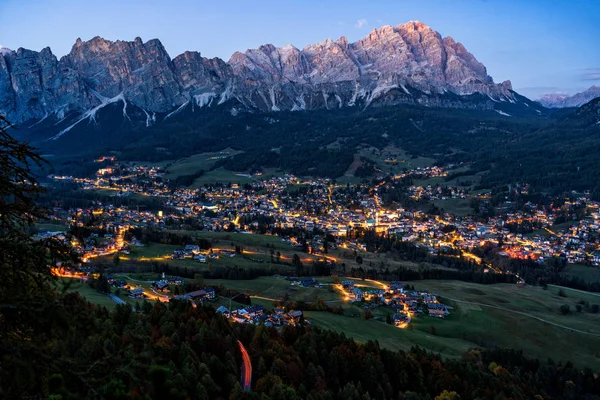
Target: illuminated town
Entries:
(291, 207)
(320, 205)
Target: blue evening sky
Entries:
(542, 46)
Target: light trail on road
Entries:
(246, 368)
(263, 298)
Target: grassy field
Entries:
(459, 207)
(205, 161)
(403, 160)
(220, 175)
(388, 336)
(532, 300)
(275, 288)
(91, 295)
(513, 316)
(244, 239)
(50, 227)
(152, 251)
(162, 253)
(474, 179)
(562, 227)
(429, 181)
(191, 165)
(502, 315)
(378, 260)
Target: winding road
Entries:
(246, 368)
(278, 300)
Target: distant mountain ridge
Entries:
(563, 100)
(407, 64)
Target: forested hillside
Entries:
(553, 153)
(181, 352)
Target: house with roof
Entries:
(347, 284)
(223, 310)
(396, 287)
(295, 315)
(309, 282)
(210, 293)
(197, 294)
(178, 254)
(174, 280)
(358, 294)
(401, 320)
(437, 310)
(183, 297)
(136, 293)
(255, 310)
(161, 286)
(194, 248)
(119, 283)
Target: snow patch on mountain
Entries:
(226, 95)
(205, 99)
(181, 107)
(125, 109)
(272, 96)
(91, 114)
(149, 119)
(300, 103)
(380, 90)
(43, 118)
(325, 97)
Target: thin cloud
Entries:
(361, 23)
(591, 77)
(591, 74)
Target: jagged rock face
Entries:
(410, 63)
(141, 71)
(388, 59)
(561, 100)
(197, 74)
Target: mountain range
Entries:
(406, 64)
(564, 100)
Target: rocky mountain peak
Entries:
(507, 84)
(415, 26)
(342, 41)
(409, 63)
(560, 100)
